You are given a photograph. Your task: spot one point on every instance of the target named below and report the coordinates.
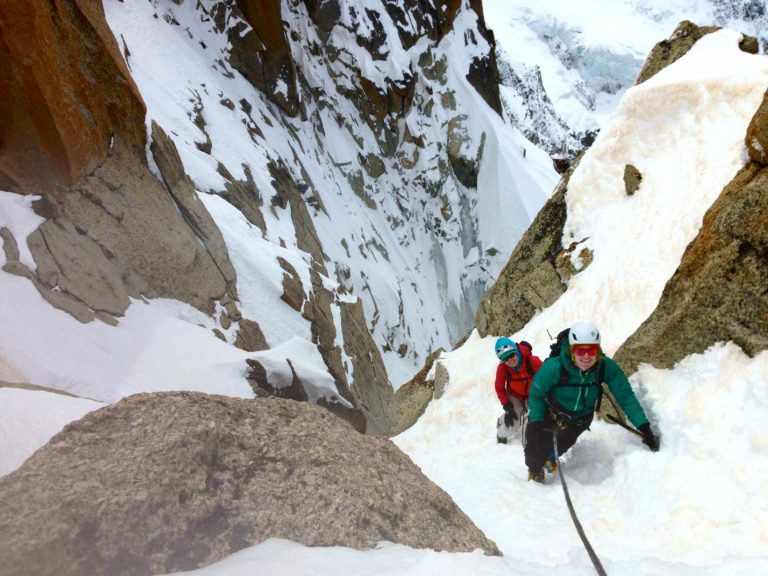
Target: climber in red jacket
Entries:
(513, 378)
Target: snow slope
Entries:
(29, 418)
(698, 506)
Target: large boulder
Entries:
(173, 481)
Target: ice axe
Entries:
(629, 428)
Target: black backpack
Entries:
(528, 357)
(554, 349)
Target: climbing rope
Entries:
(592, 555)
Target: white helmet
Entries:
(584, 333)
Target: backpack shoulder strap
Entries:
(599, 377)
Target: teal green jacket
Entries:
(580, 400)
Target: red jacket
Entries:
(516, 382)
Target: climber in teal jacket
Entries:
(564, 394)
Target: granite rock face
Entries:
(718, 293)
(412, 398)
(173, 481)
(67, 98)
(75, 135)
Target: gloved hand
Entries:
(535, 428)
(509, 415)
(649, 438)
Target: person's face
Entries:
(511, 360)
(585, 355)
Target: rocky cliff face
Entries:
(76, 138)
(175, 481)
(68, 98)
(352, 140)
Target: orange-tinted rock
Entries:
(66, 92)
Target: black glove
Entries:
(509, 414)
(535, 428)
(649, 439)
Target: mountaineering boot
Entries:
(537, 476)
(551, 464)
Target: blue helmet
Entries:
(505, 348)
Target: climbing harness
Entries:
(590, 551)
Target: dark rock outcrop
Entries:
(261, 53)
(632, 179)
(174, 481)
(370, 388)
